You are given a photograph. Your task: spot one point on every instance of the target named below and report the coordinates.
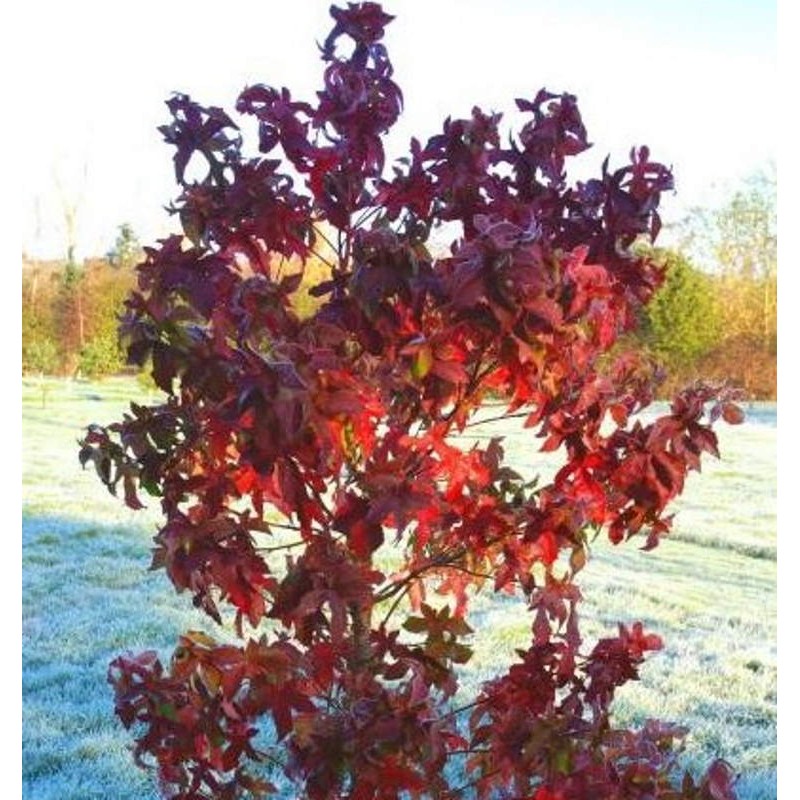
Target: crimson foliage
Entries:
(339, 427)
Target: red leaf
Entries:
(131, 498)
(547, 546)
(732, 414)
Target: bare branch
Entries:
(517, 415)
(281, 546)
(395, 604)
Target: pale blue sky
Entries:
(694, 80)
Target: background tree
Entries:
(41, 356)
(737, 245)
(105, 289)
(39, 331)
(73, 311)
(682, 323)
(127, 251)
(70, 315)
(745, 247)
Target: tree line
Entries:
(715, 317)
(70, 311)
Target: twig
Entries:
(289, 527)
(467, 707)
(469, 785)
(395, 604)
(327, 240)
(280, 547)
(468, 571)
(495, 419)
(441, 560)
(285, 525)
(279, 272)
(322, 258)
(365, 216)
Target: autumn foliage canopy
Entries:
(291, 453)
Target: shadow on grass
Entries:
(87, 597)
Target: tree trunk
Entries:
(81, 321)
(362, 624)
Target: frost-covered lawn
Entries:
(710, 591)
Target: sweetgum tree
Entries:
(339, 427)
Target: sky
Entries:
(695, 81)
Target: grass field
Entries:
(710, 591)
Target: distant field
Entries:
(710, 591)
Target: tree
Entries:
(70, 314)
(739, 242)
(41, 356)
(737, 246)
(290, 453)
(682, 322)
(70, 309)
(39, 336)
(747, 249)
(126, 251)
(106, 287)
(100, 357)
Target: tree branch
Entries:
(281, 546)
(321, 258)
(330, 244)
(395, 604)
(365, 216)
(461, 709)
(442, 560)
(497, 418)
